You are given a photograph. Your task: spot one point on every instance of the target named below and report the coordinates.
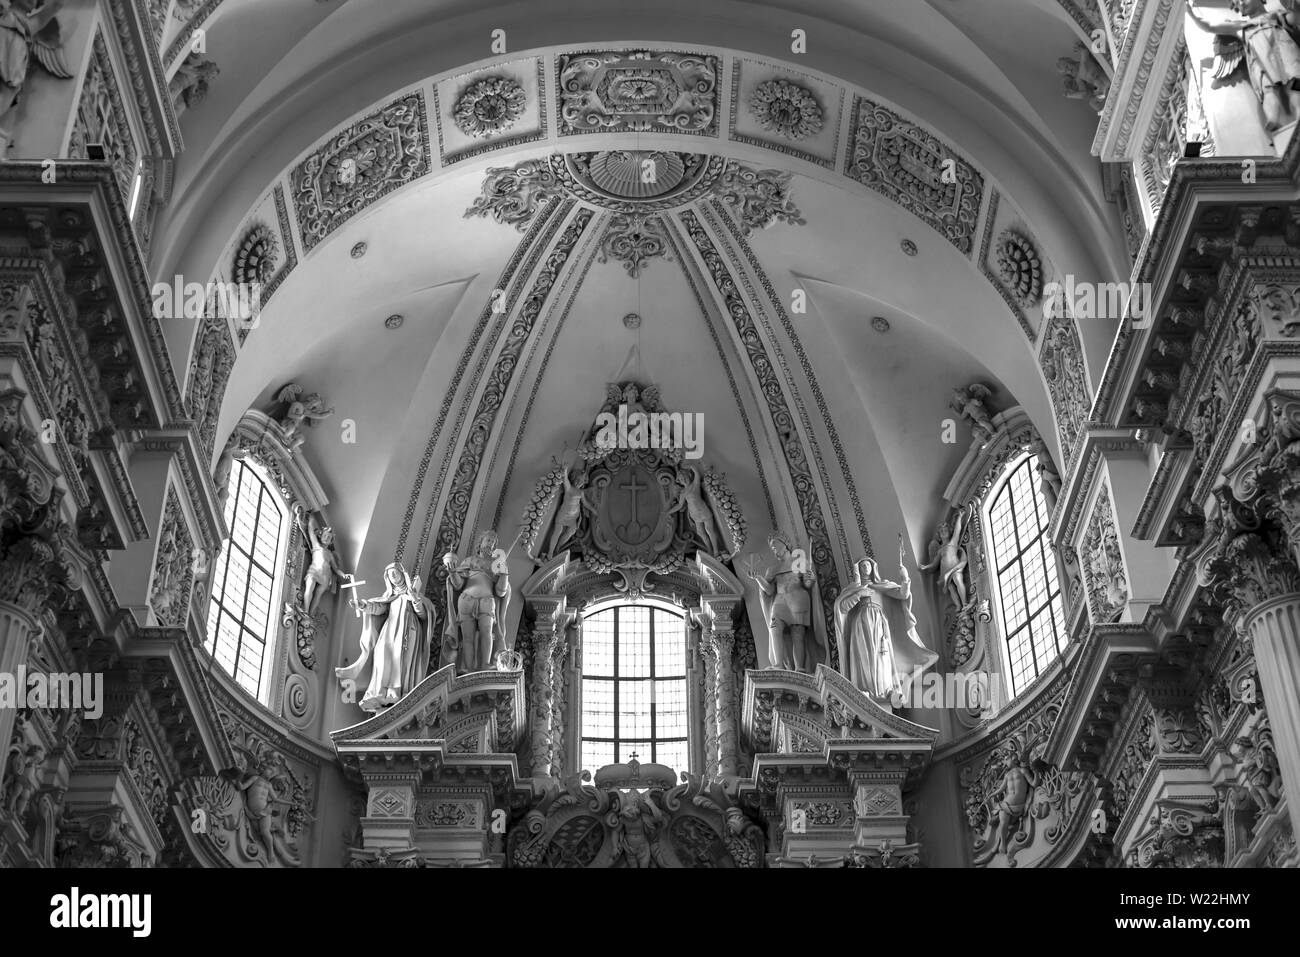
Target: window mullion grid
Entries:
(222, 612)
(654, 745)
(617, 681)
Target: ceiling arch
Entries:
(788, 210)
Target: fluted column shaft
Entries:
(16, 630)
(1274, 629)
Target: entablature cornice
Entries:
(1103, 677)
(1214, 210)
(80, 220)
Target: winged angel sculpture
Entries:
(27, 30)
(1266, 39)
(295, 409)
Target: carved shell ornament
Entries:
(1020, 268)
(489, 106)
(256, 256)
(786, 109)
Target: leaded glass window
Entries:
(245, 583)
(1027, 585)
(634, 687)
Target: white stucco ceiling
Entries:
(291, 72)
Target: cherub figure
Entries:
(260, 789)
(1049, 479)
(969, 404)
(1263, 777)
(26, 31)
(638, 821)
(1011, 801)
(1083, 77)
(24, 779)
(189, 87)
(950, 559)
(690, 498)
(569, 514)
(324, 571)
(299, 410)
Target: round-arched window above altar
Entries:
(1030, 606)
(634, 698)
(241, 624)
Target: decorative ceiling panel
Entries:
(901, 160)
(360, 164)
(789, 112)
(640, 91)
(490, 108)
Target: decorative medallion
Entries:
(1020, 268)
(638, 91)
(909, 165)
(256, 256)
(489, 106)
(786, 109)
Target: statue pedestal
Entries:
(439, 768)
(1274, 630)
(831, 766)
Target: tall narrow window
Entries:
(1028, 588)
(245, 582)
(634, 687)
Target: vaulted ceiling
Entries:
(816, 294)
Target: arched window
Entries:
(1028, 589)
(634, 687)
(246, 580)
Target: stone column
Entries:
(720, 640)
(723, 648)
(1252, 570)
(708, 718)
(548, 645)
(1274, 629)
(17, 626)
(34, 545)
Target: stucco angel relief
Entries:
(28, 31)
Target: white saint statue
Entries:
(880, 651)
(395, 641)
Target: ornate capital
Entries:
(34, 542)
